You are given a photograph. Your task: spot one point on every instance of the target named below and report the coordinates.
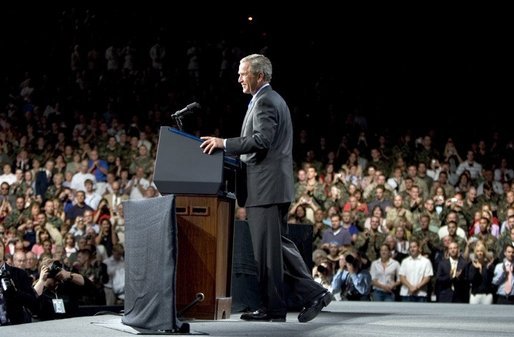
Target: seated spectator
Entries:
(95, 270)
(380, 214)
(299, 211)
(357, 209)
(336, 234)
(322, 274)
(17, 298)
(114, 288)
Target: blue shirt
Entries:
(360, 281)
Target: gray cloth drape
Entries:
(150, 263)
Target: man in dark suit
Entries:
(265, 147)
(17, 298)
(451, 283)
(44, 178)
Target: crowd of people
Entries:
(417, 222)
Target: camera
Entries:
(54, 269)
(350, 259)
(322, 269)
(6, 282)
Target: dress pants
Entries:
(502, 299)
(279, 262)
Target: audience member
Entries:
(17, 298)
(58, 291)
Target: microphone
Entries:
(186, 111)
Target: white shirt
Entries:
(443, 231)
(474, 168)
(112, 267)
(135, 193)
(92, 200)
(385, 275)
(414, 270)
(8, 178)
(77, 182)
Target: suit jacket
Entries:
(110, 200)
(265, 147)
(42, 183)
(24, 298)
(452, 290)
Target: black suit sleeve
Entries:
(24, 297)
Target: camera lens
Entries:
(349, 259)
(54, 269)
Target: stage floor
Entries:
(338, 319)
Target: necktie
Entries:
(243, 129)
(454, 268)
(453, 271)
(250, 104)
(508, 283)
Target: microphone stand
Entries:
(185, 111)
(179, 122)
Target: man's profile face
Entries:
(249, 81)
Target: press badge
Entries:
(58, 306)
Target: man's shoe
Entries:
(314, 307)
(262, 316)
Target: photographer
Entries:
(59, 291)
(352, 281)
(17, 297)
(323, 274)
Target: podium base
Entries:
(117, 324)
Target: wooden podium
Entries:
(203, 186)
(205, 232)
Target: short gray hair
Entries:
(259, 64)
